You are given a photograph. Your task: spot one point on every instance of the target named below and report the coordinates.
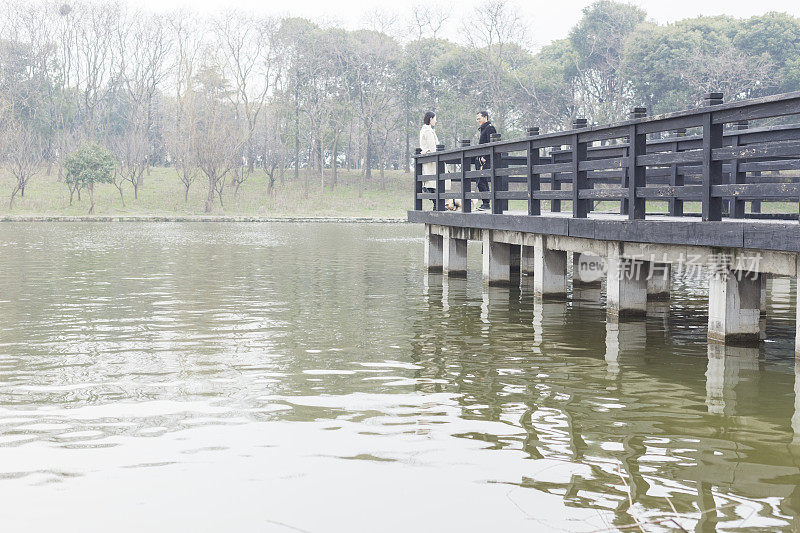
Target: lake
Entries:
(312, 377)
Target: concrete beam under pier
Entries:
(626, 285)
(658, 284)
(454, 260)
(550, 271)
(734, 302)
(496, 261)
(434, 256)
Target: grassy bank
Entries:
(163, 195)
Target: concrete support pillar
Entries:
(762, 306)
(587, 270)
(526, 255)
(496, 261)
(550, 271)
(626, 286)
(658, 286)
(733, 306)
(454, 256)
(433, 251)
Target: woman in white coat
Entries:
(427, 142)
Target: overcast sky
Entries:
(547, 20)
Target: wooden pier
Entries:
(638, 198)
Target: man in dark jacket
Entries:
(486, 130)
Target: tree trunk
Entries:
(210, 198)
(119, 188)
(368, 154)
(407, 165)
(321, 166)
(335, 151)
(91, 198)
(186, 193)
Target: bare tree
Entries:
(247, 52)
(131, 149)
(144, 44)
(217, 138)
(23, 157)
(492, 34)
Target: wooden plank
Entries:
(534, 181)
(759, 190)
(736, 209)
(512, 195)
(466, 185)
(474, 174)
(668, 158)
(782, 149)
(417, 186)
(665, 192)
(765, 166)
(655, 124)
(778, 236)
(601, 164)
(712, 169)
(772, 236)
(780, 107)
(616, 193)
(553, 167)
(552, 195)
(636, 172)
(580, 208)
(513, 171)
(613, 132)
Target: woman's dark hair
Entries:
(427, 118)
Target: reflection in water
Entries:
(623, 337)
(249, 371)
(732, 377)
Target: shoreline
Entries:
(189, 218)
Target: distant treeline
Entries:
(217, 97)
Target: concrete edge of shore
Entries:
(158, 218)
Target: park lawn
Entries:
(163, 195)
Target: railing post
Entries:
(417, 182)
(534, 180)
(636, 112)
(497, 209)
(736, 209)
(580, 208)
(712, 170)
(676, 179)
(466, 185)
(637, 145)
(439, 182)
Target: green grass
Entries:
(162, 195)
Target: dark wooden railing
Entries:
(720, 155)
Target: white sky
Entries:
(547, 19)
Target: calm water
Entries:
(279, 377)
